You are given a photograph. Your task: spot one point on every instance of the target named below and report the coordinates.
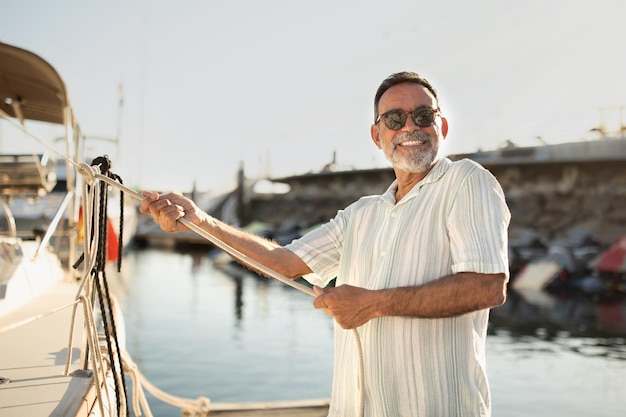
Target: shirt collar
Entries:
(440, 168)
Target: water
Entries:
(196, 330)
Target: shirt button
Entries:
(383, 253)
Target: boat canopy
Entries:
(30, 88)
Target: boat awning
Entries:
(30, 88)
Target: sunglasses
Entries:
(396, 119)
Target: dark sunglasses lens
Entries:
(423, 117)
(394, 119)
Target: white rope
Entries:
(96, 360)
(43, 143)
(199, 407)
(34, 318)
(83, 295)
(215, 241)
(90, 240)
(246, 260)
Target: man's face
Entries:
(412, 148)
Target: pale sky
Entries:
(282, 84)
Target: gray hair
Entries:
(398, 78)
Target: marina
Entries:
(62, 333)
(183, 331)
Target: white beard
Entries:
(417, 161)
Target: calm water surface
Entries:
(229, 335)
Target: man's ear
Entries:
(375, 133)
(444, 127)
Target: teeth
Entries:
(412, 143)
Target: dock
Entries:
(300, 408)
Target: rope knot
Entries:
(204, 404)
(87, 172)
(103, 162)
(201, 408)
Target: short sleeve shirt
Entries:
(454, 220)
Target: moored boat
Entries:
(62, 336)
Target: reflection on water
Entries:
(230, 335)
(579, 315)
(558, 356)
(597, 325)
(195, 330)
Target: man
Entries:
(417, 267)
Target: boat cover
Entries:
(30, 88)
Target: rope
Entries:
(104, 296)
(199, 407)
(34, 318)
(97, 362)
(120, 233)
(244, 259)
(94, 255)
(85, 294)
(215, 241)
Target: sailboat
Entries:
(61, 331)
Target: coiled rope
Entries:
(102, 286)
(95, 283)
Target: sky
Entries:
(284, 87)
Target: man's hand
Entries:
(350, 306)
(166, 209)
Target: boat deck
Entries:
(33, 357)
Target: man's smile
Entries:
(412, 143)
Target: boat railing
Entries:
(55, 222)
(9, 219)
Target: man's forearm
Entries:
(446, 297)
(449, 296)
(261, 250)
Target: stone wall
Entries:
(549, 198)
(554, 198)
(315, 198)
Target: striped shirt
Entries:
(454, 220)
